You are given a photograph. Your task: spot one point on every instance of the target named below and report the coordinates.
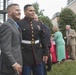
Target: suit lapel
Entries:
(16, 28)
(13, 24)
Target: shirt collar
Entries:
(14, 22)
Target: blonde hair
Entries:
(55, 28)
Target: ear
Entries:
(24, 12)
(9, 12)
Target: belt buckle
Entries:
(32, 42)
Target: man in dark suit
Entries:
(47, 33)
(32, 36)
(10, 43)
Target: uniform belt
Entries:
(30, 42)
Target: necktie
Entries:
(19, 30)
(16, 25)
(68, 31)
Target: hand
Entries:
(18, 68)
(64, 37)
(45, 58)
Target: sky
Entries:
(50, 7)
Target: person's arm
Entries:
(44, 44)
(73, 34)
(6, 40)
(55, 36)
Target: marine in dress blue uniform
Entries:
(33, 35)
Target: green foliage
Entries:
(67, 17)
(45, 19)
(38, 12)
(66, 68)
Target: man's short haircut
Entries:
(26, 6)
(68, 26)
(9, 6)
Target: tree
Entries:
(66, 17)
(38, 12)
(45, 19)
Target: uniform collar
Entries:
(28, 19)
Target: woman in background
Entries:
(60, 44)
(53, 50)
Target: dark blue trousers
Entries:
(35, 69)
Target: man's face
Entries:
(15, 13)
(67, 27)
(30, 12)
(35, 17)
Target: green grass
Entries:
(66, 68)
